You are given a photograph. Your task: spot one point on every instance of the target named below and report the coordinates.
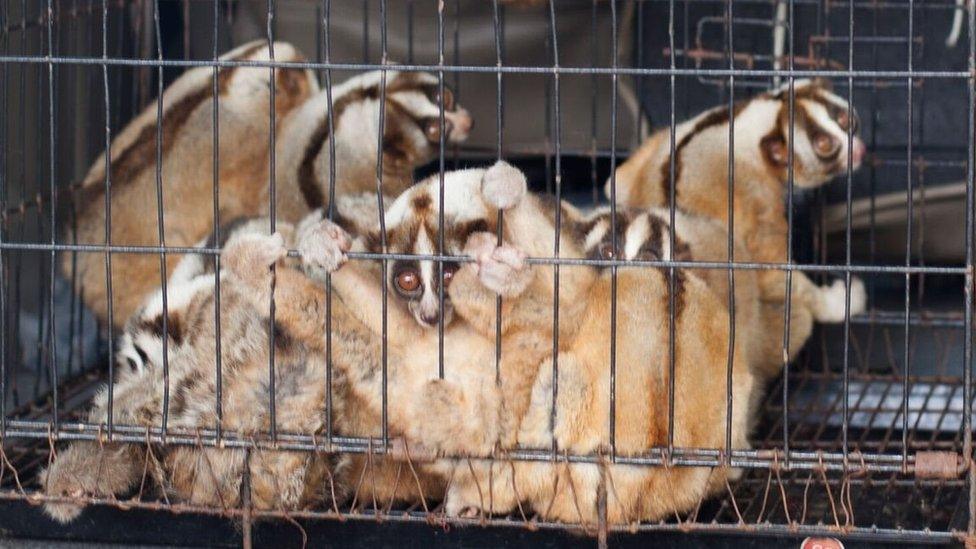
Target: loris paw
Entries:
(833, 301)
(249, 256)
(63, 512)
(502, 269)
(503, 185)
(60, 484)
(454, 507)
(323, 245)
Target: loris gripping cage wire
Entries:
(623, 268)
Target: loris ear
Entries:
(774, 149)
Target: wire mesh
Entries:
(845, 438)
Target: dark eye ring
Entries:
(607, 251)
(449, 272)
(408, 281)
(843, 120)
(432, 129)
(824, 144)
(142, 355)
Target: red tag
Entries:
(821, 543)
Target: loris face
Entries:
(633, 235)
(822, 121)
(413, 227)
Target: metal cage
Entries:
(867, 436)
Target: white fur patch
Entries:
(178, 295)
(831, 303)
(637, 233)
(596, 234)
(462, 197)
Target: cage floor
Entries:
(765, 500)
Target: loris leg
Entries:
(299, 301)
(90, 469)
(827, 304)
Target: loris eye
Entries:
(607, 251)
(824, 144)
(432, 129)
(847, 121)
(449, 272)
(844, 121)
(408, 281)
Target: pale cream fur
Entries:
(759, 199)
(355, 108)
(187, 173)
(210, 476)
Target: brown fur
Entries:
(701, 174)
(467, 412)
(303, 171)
(186, 172)
(569, 492)
(205, 475)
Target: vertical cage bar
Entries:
(967, 341)
(327, 44)
(441, 148)
(4, 266)
(455, 150)
(643, 122)
(594, 84)
(908, 236)
(672, 205)
(847, 242)
(160, 227)
(731, 245)
(108, 221)
(499, 122)
(19, 258)
(52, 189)
(215, 91)
(788, 304)
(66, 42)
(559, 222)
(273, 194)
(42, 366)
(613, 231)
(382, 217)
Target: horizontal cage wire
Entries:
(841, 385)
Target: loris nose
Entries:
(463, 121)
(430, 318)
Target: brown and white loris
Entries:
(411, 137)
(824, 145)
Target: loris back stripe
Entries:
(133, 159)
(714, 117)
